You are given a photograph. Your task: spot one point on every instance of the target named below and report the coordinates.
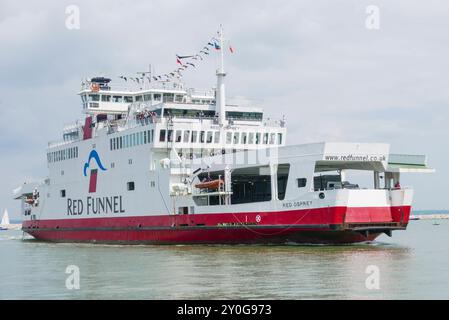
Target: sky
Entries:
(334, 73)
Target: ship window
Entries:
(130, 186)
(194, 136)
(279, 138)
(302, 182)
(145, 141)
(265, 138)
(186, 135)
(251, 138)
(244, 138)
(120, 142)
(138, 138)
(217, 137)
(178, 135)
(63, 193)
(105, 98)
(134, 140)
(257, 137)
(202, 136)
(139, 98)
(170, 136)
(209, 136)
(147, 97)
(272, 138)
(128, 99)
(236, 137)
(168, 97)
(282, 178)
(228, 137)
(94, 97)
(157, 97)
(117, 99)
(113, 144)
(162, 135)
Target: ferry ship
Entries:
(162, 164)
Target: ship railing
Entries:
(142, 86)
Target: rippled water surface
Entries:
(413, 264)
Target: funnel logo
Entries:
(93, 172)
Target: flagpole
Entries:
(220, 94)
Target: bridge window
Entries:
(209, 136)
(236, 137)
(258, 137)
(244, 138)
(178, 135)
(94, 97)
(272, 138)
(147, 97)
(139, 98)
(186, 136)
(279, 138)
(117, 99)
(105, 98)
(228, 137)
(251, 138)
(162, 135)
(128, 99)
(217, 137)
(265, 138)
(170, 136)
(194, 136)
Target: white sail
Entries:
(5, 218)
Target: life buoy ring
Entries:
(95, 87)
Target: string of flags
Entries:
(183, 63)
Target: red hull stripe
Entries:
(314, 226)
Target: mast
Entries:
(220, 99)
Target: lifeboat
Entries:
(214, 184)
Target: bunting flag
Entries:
(183, 57)
(182, 66)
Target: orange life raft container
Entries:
(214, 184)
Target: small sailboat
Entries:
(5, 221)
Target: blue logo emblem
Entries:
(93, 155)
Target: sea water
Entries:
(413, 264)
